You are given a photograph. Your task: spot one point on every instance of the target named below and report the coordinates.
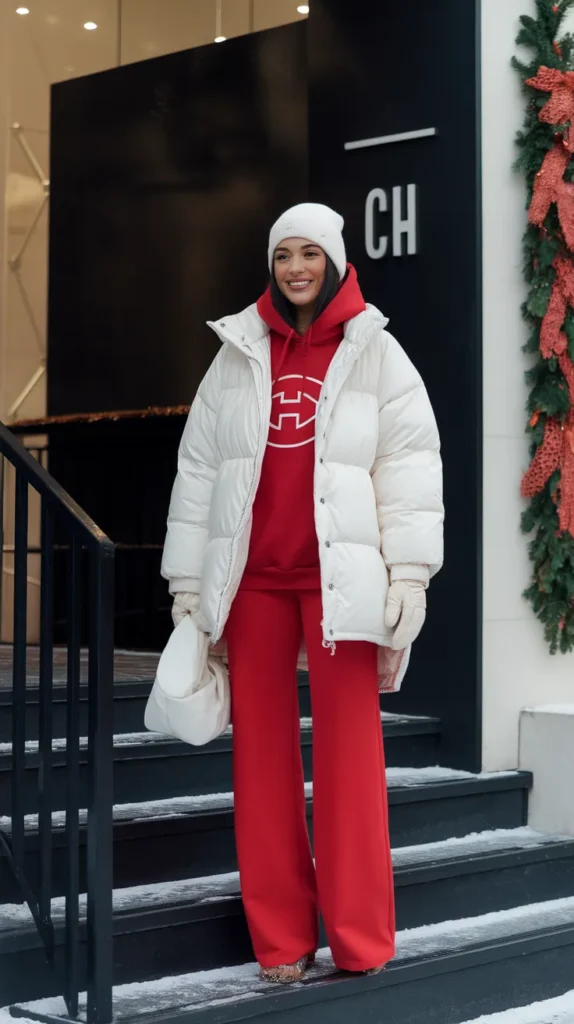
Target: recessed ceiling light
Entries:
(220, 39)
(90, 26)
(22, 10)
(303, 9)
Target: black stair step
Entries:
(134, 672)
(199, 924)
(130, 697)
(188, 837)
(444, 974)
(151, 767)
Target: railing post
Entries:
(74, 615)
(19, 667)
(100, 788)
(45, 730)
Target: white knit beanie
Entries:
(316, 222)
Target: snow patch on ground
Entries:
(551, 1011)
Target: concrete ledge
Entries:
(547, 750)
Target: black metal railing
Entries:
(142, 605)
(90, 596)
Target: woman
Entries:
(307, 507)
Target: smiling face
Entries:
(299, 266)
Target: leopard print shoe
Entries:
(288, 974)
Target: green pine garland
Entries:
(551, 592)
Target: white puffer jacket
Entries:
(378, 476)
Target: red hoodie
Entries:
(284, 551)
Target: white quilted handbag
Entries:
(190, 698)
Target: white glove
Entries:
(406, 606)
(184, 604)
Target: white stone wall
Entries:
(518, 670)
(547, 750)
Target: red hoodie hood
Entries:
(348, 302)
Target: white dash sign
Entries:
(385, 140)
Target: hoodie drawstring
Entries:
(306, 346)
(283, 355)
(306, 349)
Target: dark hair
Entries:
(329, 289)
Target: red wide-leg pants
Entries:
(351, 882)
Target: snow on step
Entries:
(499, 840)
(140, 897)
(227, 984)
(432, 939)
(121, 739)
(238, 983)
(7, 1018)
(396, 777)
(174, 807)
(226, 886)
(436, 774)
(136, 739)
(551, 1011)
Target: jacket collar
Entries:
(247, 330)
(361, 328)
(242, 329)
